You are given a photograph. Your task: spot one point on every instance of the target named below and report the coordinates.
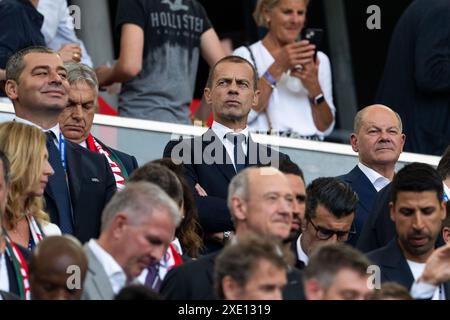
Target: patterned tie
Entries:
(61, 190)
(238, 151)
(152, 280)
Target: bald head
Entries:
(261, 200)
(57, 269)
(365, 113)
(378, 138)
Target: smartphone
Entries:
(314, 36)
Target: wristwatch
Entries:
(318, 99)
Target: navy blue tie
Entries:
(238, 151)
(61, 190)
(152, 280)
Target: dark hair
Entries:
(16, 64)
(444, 164)
(137, 292)
(335, 195)
(239, 260)
(6, 166)
(189, 232)
(417, 177)
(287, 166)
(327, 260)
(232, 59)
(446, 222)
(162, 177)
(390, 290)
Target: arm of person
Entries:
(129, 63)
(432, 52)
(322, 115)
(436, 272)
(210, 47)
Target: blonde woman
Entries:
(24, 220)
(296, 89)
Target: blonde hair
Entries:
(25, 147)
(261, 5)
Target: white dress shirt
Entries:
(300, 253)
(378, 181)
(113, 270)
(421, 290)
(4, 280)
(56, 130)
(221, 131)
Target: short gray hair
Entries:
(79, 72)
(16, 63)
(269, 5)
(357, 122)
(138, 200)
(238, 187)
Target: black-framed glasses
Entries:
(325, 234)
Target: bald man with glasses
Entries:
(329, 213)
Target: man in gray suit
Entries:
(138, 225)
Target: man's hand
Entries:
(437, 268)
(201, 192)
(70, 52)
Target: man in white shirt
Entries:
(377, 137)
(418, 211)
(138, 225)
(329, 213)
(212, 160)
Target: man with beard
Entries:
(417, 210)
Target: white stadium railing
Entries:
(146, 140)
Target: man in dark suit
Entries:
(83, 181)
(416, 80)
(377, 137)
(260, 201)
(211, 161)
(76, 121)
(379, 229)
(418, 211)
(329, 213)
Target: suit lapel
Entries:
(213, 145)
(395, 266)
(74, 172)
(365, 188)
(99, 277)
(447, 290)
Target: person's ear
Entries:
(230, 288)
(207, 95)
(313, 290)
(11, 89)
(239, 208)
(446, 234)
(354, 142)
(118, 225)
(391, 210)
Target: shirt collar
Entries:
(83, 144)
(300, 253)
(378, 181)
(220, 130)
(110, 265)
(56, 130)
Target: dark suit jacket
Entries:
(8, 296)
(214, 174)
(128, 161)
(298, 264)
(366, 193)
(194, 280)
(416, 80)
(394, 267)
(13, 285)
(379, 229)
(91, 185)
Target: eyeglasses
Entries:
(325, 234)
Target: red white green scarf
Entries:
(117, 167)
(20, 268)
